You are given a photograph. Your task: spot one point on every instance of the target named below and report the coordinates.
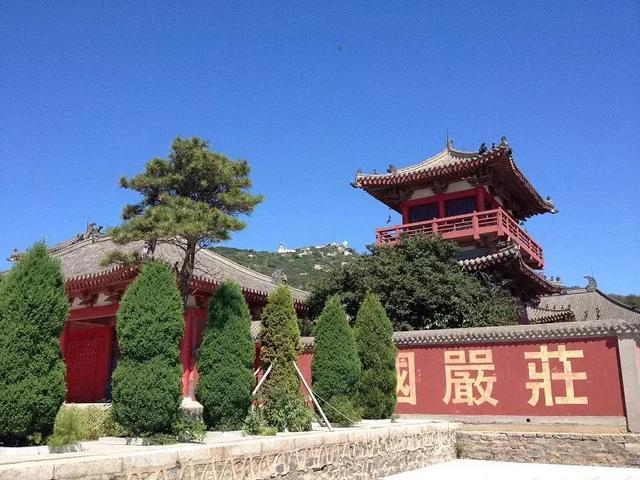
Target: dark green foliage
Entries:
(191, 199)
(146, 395)
(284, 404)
(377, 352)
(342, 410)
(225, 360)
(33, 309)
(280, 334)
(147, 381)
(421, 286)
(336, 366)
(189, 429)
(255, 424)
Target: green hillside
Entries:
(301, 266)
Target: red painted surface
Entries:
(87, 356)
(601, 388)
(304, 363)
(483, 199)
(467, 227)
(90, 313)
(195, 321)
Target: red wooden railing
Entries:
(474, 224)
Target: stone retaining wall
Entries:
(355, 454)
(562, 448)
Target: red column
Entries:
(405, 213)
(186, 357)
(480, 206)
(441, 211)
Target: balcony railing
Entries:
(471, 225)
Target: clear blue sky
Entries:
(309, 93)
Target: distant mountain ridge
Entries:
(301, 266)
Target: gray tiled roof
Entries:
(549, 315)
(81, 258)
(589, 304)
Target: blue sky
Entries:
(309, 93)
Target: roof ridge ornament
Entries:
(504, 142)
(592, 286)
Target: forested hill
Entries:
(302, 266)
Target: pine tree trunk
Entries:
(186, 271)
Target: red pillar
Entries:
(186, 356)
(441, 211)
(405, 213)
(480, 204)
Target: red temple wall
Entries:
(585, 384)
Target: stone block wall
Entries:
(354, 454)
(616, 449)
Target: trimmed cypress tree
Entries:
(377, 352)
(336, 365)
(33, 309)
(284, 404)
(147, 383)
(225, 360)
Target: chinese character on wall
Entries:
(469, 380)
(542, 378)
(406, 378)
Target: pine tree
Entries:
(191, 200)
(33, 309)
(147, 383)
(225, 360)
(377, 352)
(336, 366)
(284, 404)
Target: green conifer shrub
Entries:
(147, 383)
(336, 365)
(284, 405)
(377, 352)
(225, 360)
(33, 309)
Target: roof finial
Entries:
(449, 141)
(592, 285)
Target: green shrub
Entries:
(74, 424)
(33, 309)
(336, 366)
(377, 352)
(146, 395)
(189, 429)
(285, 407)
(225, 360)
(67, 429)
(284, 404)
(255, 424)
(147, 384)
(342, 410)
(111, 428)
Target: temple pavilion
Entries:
(88, 341)
(480, 200)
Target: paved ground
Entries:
(485, 470)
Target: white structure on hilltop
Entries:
(283, 249)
